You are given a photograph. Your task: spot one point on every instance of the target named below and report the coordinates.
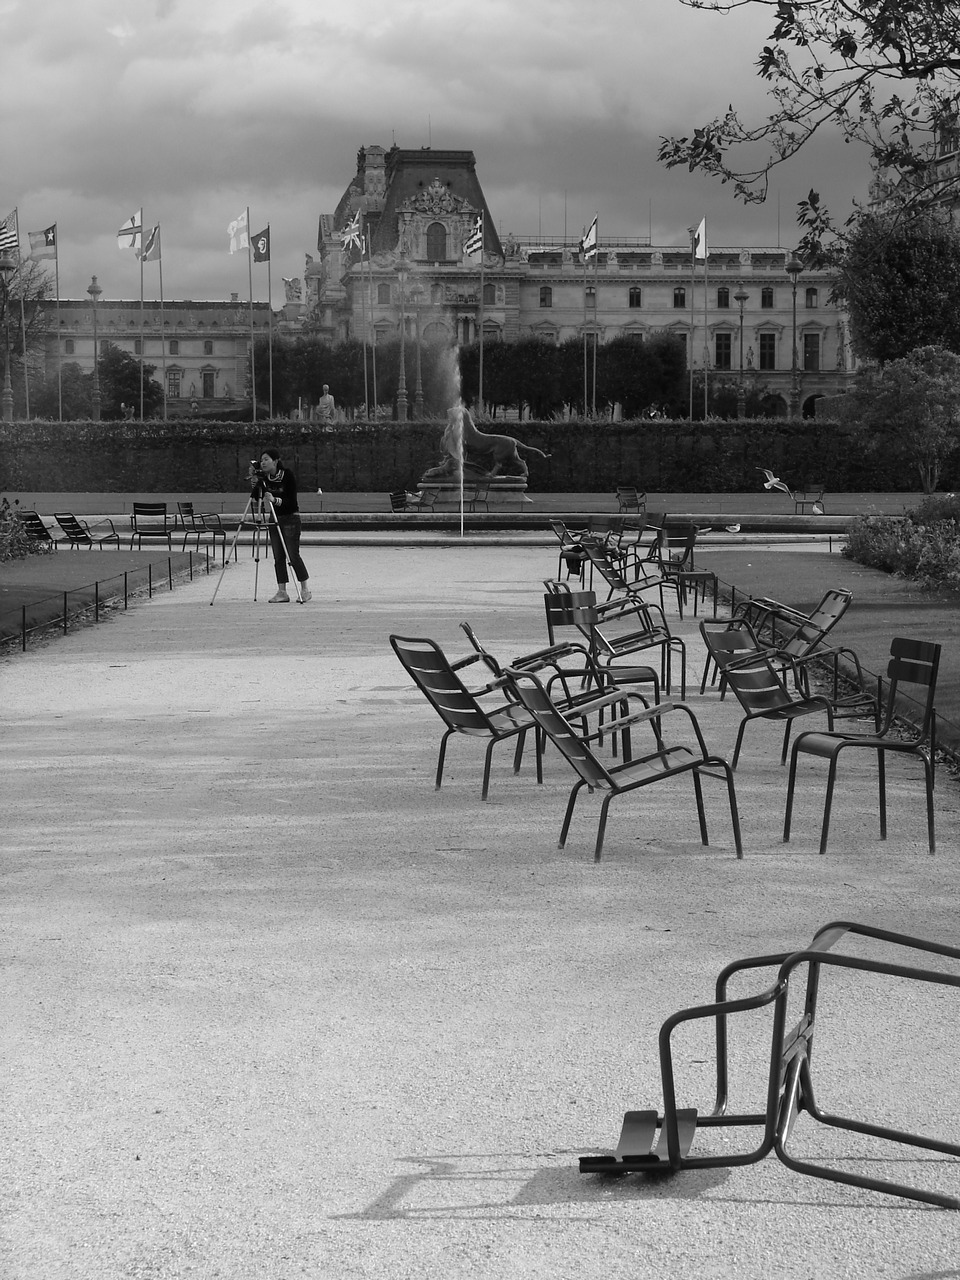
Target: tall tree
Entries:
(910, 408)
(886, 73)
(901, 285)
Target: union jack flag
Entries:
(350, 235)
(473, 245)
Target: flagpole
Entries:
(706, 331)
(693, 281)
(23, 318)
(163, 345)
(373, 333)
(480, 381)
(584, 253)
(270, 315)
(253, 368)
(596, 327)
(56, 276)
(363, 324)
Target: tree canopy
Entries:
(900, 283)
(886, 73)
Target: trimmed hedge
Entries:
(661, 456)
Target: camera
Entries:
(256, 471)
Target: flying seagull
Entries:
(774, 482)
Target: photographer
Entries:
(276, 484)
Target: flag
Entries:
(700, 240)
(238, 233)
(261, 246)
(473, 245)
(43, 244)
(10, 235)
(350, 236)
(588, 243)
(151, 250)
(130, 235)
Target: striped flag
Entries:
(700, 240)
(10, 235)
(130, 235)
(350, 236)
(43, 244)
(473, 245)
(588, 242)
(151, 250)
(238, 231)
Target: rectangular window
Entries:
(723, 298)
(591, 297)
(766, 298)
(811, 352)
(138, 346)
(173, 383)
(768, 351)
(723, 346)
(174, 347)
(209, 379)
(546, 296)
(68, 347)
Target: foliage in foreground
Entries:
(15, 544)
(923, 547)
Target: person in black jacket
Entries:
(277, 485)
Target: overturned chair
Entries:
(652, 1143)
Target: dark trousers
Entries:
(290, 528)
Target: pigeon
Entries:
(818, 508)
(773, 482)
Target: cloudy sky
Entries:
(194, 109)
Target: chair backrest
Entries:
(427, 498)
(916, 663)
(605, 567)
(71, 526)
(398, 500)
(570, 609)
(428, 667)
(537, 701)
(185, 509)
(821, 621)
(674, 544)
(629, 498)
(149, 512)
(747, 670)
(34, 526)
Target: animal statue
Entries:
(503, 452)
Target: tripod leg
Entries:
(233, 544)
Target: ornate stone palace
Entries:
(417, 209)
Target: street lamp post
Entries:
(7, 264)
(402, 380)
(417, 293)
(95, 291)
(740, 298)
(794, 267)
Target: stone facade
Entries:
(417, 208)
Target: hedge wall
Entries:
(721, 457)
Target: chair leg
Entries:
(701, 815)
(488, 757)
(518, 753)
(443, 752)
(601, 829)
(569, 814)
(736, 750)
(882, 784)
(788, 811)
(827, 803)
(928, 770)
(786, 741)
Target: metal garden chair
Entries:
(672, 553)
(652, 1143)
(631, 500)
(666, 760)
(150, 520)
(758, 685)
(35, 528)
(614, 574)
(460, 708)
(205, 526)
(913, 663)
(79, 534)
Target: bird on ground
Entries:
(773, 482)
(733, 528)
(818, 508)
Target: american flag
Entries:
(10, 235)
(473, 245)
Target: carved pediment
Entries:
(435, 199)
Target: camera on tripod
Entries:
(256, 472)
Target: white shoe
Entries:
(280, 598)
(305, 595)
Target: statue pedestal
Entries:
(504, 491)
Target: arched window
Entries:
(679, 297)
(636, 296)
(546, 296)
(383, 295)
(812, 299)
(436, 242)
(766, 298)
(723, 302)
(489, 295)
